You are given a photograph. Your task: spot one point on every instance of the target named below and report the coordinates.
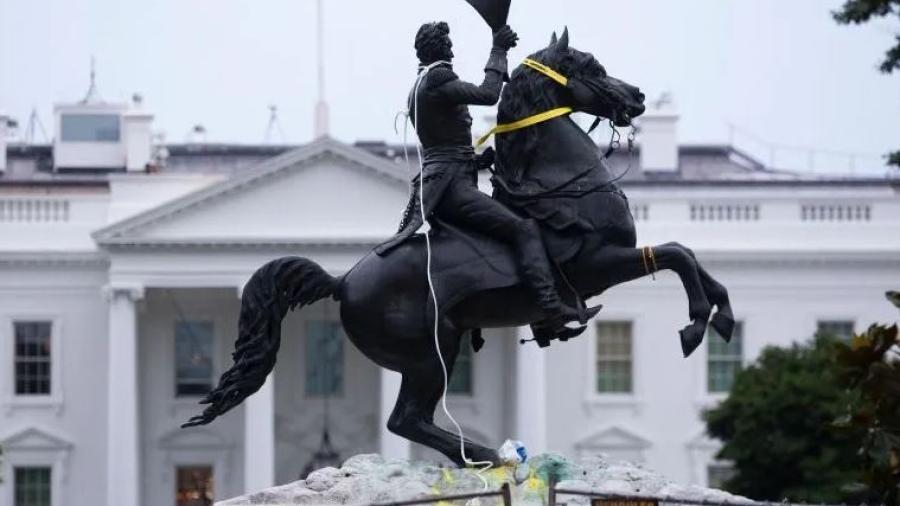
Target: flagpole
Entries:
(321, 119)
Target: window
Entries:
(194, 486)
(90, 128)
(614, 357)
(32, 357)
(460, 382)
(841, 329)
(717, 475)
(324, 358)
(724, 360)
(31, 486)
(194, 343)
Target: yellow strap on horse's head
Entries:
(547, 71)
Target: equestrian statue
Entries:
(557, 231)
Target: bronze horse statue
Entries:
(552, 172)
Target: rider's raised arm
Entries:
(488, 92)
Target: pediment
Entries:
(611, 438)
(325, 192)
(194, 439)
(35, 438)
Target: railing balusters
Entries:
(33, 210)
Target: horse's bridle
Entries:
(534, 119)
(541, 117)
(560, 190)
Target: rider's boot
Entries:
(535, 269)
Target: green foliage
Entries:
(894, 159)
(777, 427)
(861, 11)
(870, 366)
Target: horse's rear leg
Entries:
(413, 417)
(621, 264)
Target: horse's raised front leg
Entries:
(619, 264)
(413, 417)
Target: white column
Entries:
(392, 446)
(531, 394)
(123, 446)
(259, 438)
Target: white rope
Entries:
(423, 71)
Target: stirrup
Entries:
(562, 334)
(544, 334)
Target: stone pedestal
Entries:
(368, 479)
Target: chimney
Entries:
(659, 137)
(4, 122)
(138, 138)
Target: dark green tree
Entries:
(777, 427)
(870, 368)
(861, 11)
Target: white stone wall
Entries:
(779, 303)
(68, 429)
(164, 444)
(298, 418)
(784, 273)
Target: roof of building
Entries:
(32, 165)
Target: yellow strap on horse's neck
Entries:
(524, 123)
(537, 118)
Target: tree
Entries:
(870, 368)
(861, 11)
(777, 427)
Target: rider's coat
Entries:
(440, 113)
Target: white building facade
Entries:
(120, 283)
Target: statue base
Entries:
(369, 479)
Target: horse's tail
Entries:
(275, 288)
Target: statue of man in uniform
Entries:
(439, 110)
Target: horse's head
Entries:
(589, 88)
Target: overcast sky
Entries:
(778, 69)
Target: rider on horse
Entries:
(439, 110)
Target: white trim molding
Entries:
(35, 447)
(616, 442)
(128, 231)
(196, 447)
(595, 401)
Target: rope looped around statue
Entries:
(423, 71)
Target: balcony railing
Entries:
(724, 212)
(34, 210)
(836, 212)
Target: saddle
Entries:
(465, 262)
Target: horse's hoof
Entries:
(691, 337)
(723, 325)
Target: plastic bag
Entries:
(513, 452)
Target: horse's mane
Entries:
(528, 93)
